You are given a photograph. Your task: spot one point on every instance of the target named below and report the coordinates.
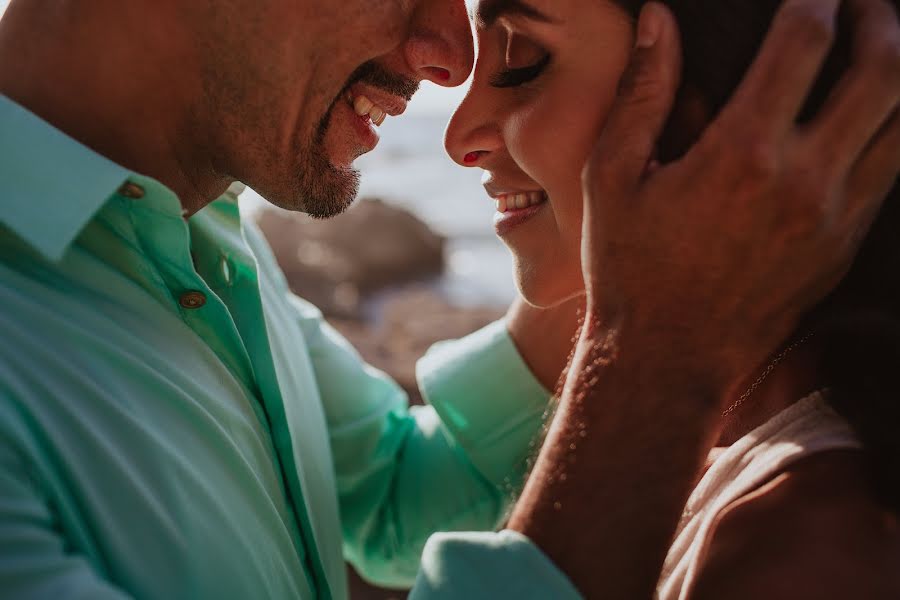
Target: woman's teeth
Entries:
(363, 106)
(519, 201)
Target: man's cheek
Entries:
(376, 33)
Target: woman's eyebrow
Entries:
(490, 10)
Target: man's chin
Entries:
(323, 190)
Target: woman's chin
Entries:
(547, 293)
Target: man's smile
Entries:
(372, 94)
(374, 102)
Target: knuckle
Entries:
(808, 23)
(806, 196)
(808, 179)
(807, 214)
(589, 174)
(593, 173)
(884, 58)
(760, 162)
(600, 172)
(637, 87)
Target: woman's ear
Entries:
(690, 116)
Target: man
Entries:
(174, 424)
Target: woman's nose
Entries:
(472, 135)
(439, 47)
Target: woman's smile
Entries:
(513, 201)
(516, 208)
(540, 93)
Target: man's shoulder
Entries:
(62, 324)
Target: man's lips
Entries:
(350, 127)
(365, 107)
(389, 103)
(364, 135)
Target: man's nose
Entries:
(439, 47)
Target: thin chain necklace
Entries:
(765, 374)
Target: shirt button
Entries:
(131, 190)
(193, 299)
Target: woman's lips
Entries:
(514, 209)
(519, 200)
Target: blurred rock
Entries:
(337, 263)
(409, 321)
(379, 256)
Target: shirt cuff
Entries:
(488, 565)
(488, 400)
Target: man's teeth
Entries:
(363, 106)
(519, 201)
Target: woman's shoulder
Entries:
(816, 530)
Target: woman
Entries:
(806, 475)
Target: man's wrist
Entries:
(593, 481)
(696, 353)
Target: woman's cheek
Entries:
(549, 156)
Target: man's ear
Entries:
(690, 116)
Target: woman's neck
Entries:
(794, 378)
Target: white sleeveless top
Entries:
(807, 427)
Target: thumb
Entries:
(646, 94)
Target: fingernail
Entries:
(649, 27)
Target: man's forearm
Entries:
(608, 488)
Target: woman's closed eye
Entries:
(509, 77)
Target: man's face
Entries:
(282, 83)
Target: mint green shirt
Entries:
(175, 424)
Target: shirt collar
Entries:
(51, 186)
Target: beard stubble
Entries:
(328, 190)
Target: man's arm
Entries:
(36, 560)
(404, 473)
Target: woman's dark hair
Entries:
(858, 325)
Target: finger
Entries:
(646, 95)
(778, 82)
(876, 173)
(867, 94)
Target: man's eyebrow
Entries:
(490, 10)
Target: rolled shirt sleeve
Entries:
(488, 400)
(489, 566)
(402, 473)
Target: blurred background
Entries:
(414, 261)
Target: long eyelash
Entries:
(515, 77)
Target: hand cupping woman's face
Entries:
(545, 77)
